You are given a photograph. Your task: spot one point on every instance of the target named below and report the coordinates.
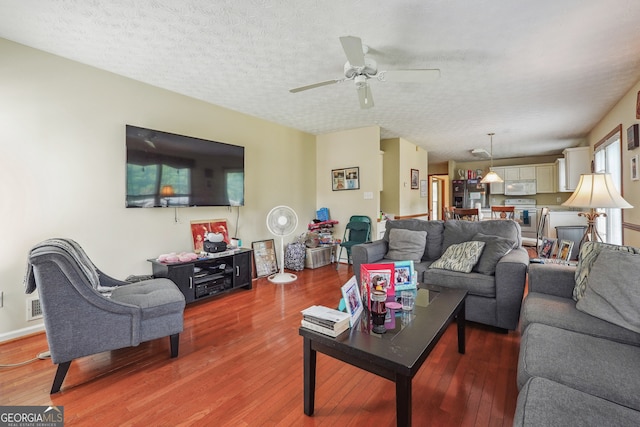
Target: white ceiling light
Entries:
(491, 176)
(481, 152)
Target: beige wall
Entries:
(62, 168)
(400, 157)
(352, 148)
(624, 113)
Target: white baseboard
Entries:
(21, 332)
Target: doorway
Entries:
(438, 196)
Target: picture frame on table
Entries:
(415, 179)
(200, 229)
(345, 179)
(264, 257)
(352, 300)
(403, 272)
(547, 248)
(633, 168)
(564, 250)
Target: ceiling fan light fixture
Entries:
(491, 177)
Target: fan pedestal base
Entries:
(282, 278)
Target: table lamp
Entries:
(595, 190)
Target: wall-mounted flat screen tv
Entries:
(168, 170)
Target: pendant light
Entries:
(491, 176)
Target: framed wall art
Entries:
(264, 256)
(345, 179)
(415, 179)
(633, 167)
(632, 137)
(199, 229)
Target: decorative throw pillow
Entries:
(406, 245)
(461, 257)
(589, 252)
(494, 249)
(612, 291)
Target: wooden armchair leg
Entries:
(60, 374)
(175, 342)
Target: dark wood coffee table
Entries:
(396, 355)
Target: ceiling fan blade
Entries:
(411, 76)
(315, 85)
(365, 95)
(352, 47)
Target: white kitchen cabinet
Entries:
(498, 187)
(511, 174)
(577, 162)
(561, 176)
(545, 180)
(519, 172)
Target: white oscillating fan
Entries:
(282, 221)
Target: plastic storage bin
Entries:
(318, 257)
(572, 233)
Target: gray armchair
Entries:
(87, 312)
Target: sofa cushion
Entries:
(406, 245)
(542, 402)
(494, 249)
(562, 313)
(588, 254)
(476, 283)
(434, 229)
(461, 257)
(463, 231)
(597, 366)
(613, 292)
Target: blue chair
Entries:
(355, 232)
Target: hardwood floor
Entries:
(240, 364)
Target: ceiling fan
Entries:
(360, 69)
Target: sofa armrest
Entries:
(511, 276)
(368, 253)
(552, 279)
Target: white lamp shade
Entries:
(491, 177)
(596, 190)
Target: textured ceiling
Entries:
(539, 74)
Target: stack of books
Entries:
(325, 320)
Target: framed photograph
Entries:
(264, 256)
(345, 179)
(547, 248)
(638, 106)
(352, 300)
(199, 229)
(377, 277)
(415, 179)
(633, 167)
(632, 137)
(403, 272)
(423, 188)
(564, 250)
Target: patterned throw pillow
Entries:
(461, 257)
(588, 254)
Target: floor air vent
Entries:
(34, 309)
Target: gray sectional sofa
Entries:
(580, 348)
(495, 283)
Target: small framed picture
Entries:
(199, 230)
(345, 179)
(403, 272)
(632, 137)
(352, 300)
(415, 179)
(634, 168)
(564, 250)
(547, 248)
